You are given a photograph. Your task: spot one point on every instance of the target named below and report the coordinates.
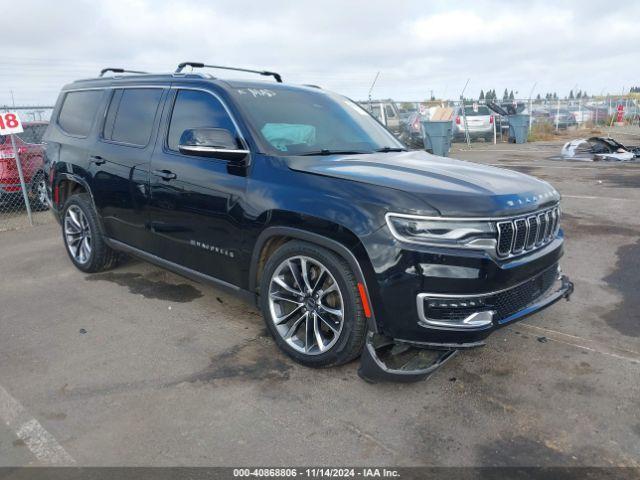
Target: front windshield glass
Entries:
(301, 122)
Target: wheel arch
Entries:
(67, 184)
(273, 237)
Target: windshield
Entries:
(301, 122)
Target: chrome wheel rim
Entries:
(306, 305)
(77, 234)
(41, 191)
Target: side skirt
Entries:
(183, 271)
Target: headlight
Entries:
(450, 232)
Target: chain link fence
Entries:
(548, 117)
(23, 200)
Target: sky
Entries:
(418, 47)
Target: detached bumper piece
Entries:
(384, 360)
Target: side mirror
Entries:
(211, 142)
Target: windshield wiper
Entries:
(390, 149)
(325, 151)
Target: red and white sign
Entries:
(620, 114)
(10, 123)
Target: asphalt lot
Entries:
(170, 372)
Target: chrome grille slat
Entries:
(520, 236)
(533, 231)
(528, 232)
(505, 238)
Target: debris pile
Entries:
(599, 148)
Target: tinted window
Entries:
(194, 109)
(78, 111)
(131, 114)
(33, 133)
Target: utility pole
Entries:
(464, 115)
(371, 89)
(531, 105)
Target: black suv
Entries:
(298, 199)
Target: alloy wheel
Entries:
(306, 305)
(78, 234)
(41, 191)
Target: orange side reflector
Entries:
(365, 301)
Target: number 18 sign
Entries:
(10, 123)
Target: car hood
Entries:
(452, 187)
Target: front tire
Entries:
(311, 305)
(83, 238)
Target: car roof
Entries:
(182, 78)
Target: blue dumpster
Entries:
(437, 137)
(518, 128)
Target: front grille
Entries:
(505, 303)
(510, 301)
(525, 233)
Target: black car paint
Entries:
(215, 216)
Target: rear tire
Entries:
(315, 317)
(83, 238)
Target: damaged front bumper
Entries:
(386, 359)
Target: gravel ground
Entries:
(138, 366)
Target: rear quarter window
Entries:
(78, 111)
(131, 115)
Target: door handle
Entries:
(97, 159)
(165, 174)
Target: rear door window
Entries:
(78, 111)
(131, 115)
(196, 109)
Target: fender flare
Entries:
(81, 181)
(316, 238)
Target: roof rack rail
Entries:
(119, 70)
(202, 65)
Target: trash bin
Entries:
(437, 137)
(518, 128)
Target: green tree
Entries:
(481, 95)
(511, 97)
(571, 97)
(505, 95)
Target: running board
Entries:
(383, 360)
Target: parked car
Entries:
(406, 112)
(411, 132)
(386, 112)
(479, 122)
(581, 115)
(31, 154)
(540, 116)
(563, 119)
(296, 199)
